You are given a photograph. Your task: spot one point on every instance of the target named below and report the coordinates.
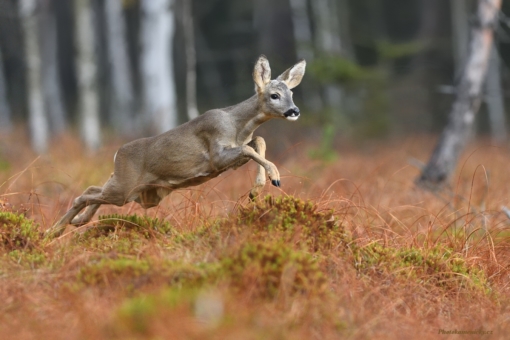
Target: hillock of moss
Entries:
(145, 225)
(265, 268)
(438, 266)
(131, 273)
(294, 221)
(123, 234)
(18, 232)
(21, 241)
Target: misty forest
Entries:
(387, 215)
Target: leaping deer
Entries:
(148, 169)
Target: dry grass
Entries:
(350, 249)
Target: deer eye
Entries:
(275, 96)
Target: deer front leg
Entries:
(225, 157)
(259, 145)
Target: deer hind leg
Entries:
(90, 210)
(94, 196)
(58, 228)
(85, 216)
(259, 145)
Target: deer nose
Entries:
(292, 112)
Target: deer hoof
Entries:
(275, 182)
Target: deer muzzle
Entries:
(292, 113)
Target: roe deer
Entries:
(148, 169)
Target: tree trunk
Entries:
(191, 60)
(494, 98)
(304, 47)
(460, 33)
(122, 103)
(50, 73)
(5, 110)
(467, 99)
(157, 33)
(37, 115)
(86, 65)
(211, 74)
(328, 42)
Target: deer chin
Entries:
(292, 118)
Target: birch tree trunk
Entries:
(304, 45)
(460, 33)
(191, 59)
(467, 99)
(328, 41)
(86, 65)
(157, 32)
(122, 104)
(36, 113)
(494, 98)
(50, 73)
(212, 75)
(5, 110)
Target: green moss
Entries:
(18, 232)
(29, 258)
(261, 268)
(147, 226)
(293, 220)
(132, 273)
(138, 313)
(112, 271)
(439, 266)
(123, 234)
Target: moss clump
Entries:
(145, 225)
(29, 258)
(264, 269)
(18, 232)
(123, 234)
(132, 273)
(121, 242)
(140, 314)
(438, 266)
(126, 272)
(293, 221)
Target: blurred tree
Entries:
(122, 105)
(5, 110)
(494, 98)
(467, 98)
(159, 93)
(460, 33)
(301, 23)
(37, 116)
(86, 64)
(332, 40)
(50, 72)
(14, 65)
(493, 93)
(191, 60)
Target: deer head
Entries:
(275, 96)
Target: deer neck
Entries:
(248, 116)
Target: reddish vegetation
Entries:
(369, 256)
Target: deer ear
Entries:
(261, 74)
(292, 77)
